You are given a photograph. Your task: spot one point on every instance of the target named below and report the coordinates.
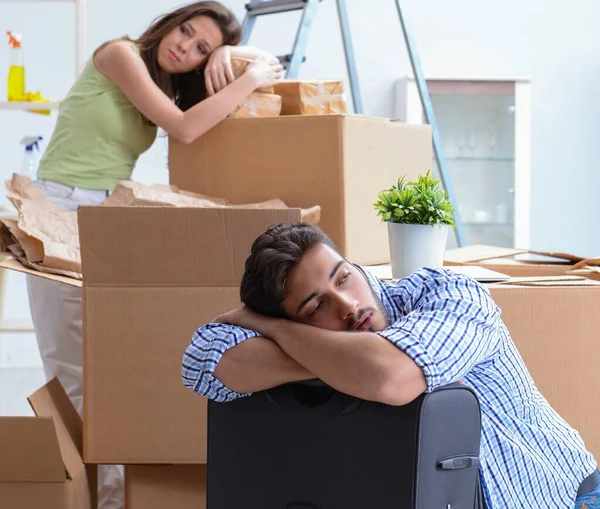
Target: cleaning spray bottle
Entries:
(16, 72)
(30, 162)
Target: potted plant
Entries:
(419, 215)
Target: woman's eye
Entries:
(184, 30)
(202, 50)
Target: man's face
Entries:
(326, 291)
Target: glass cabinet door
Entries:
(485, 140)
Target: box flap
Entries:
(52, 401)
(13, 264)
(30, 450)
(571, 280)
(477, 253)
(189, 246)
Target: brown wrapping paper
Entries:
(45, 238)
(311, 97)
(258, 104)
(261, 103)
(239, 66)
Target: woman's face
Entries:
(187, 46)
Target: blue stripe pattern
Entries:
(450, 326)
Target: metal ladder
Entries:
(293, 61)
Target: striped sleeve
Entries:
(201, 357)
(449, 327)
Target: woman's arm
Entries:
(251, 53)
(120, 63)
(219, 72)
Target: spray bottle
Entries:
(16, 72)
(30, 162)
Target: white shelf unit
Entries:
(23, 105)
(485, 127)
(79, 23)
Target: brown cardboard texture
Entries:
(555, 324)
(41, 463)
(515, 262)
(160, 486)
(152, 276)
(336, 161)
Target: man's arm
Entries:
(361, 364)
(225, 362)
(258, 364)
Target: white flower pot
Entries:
(413, 246)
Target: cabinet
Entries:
(485, 131)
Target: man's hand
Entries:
(243, 317)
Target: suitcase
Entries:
(308, 446)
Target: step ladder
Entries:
(293, 61)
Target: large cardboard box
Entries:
(163, 486)
(152, 276)
(41, 461)
(555, 323)
(340, 162)
(517, 262)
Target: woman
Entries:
(176, 76)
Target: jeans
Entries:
(57, 317)
(590, 500)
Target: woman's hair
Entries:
(186, 89)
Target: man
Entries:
(310, 313)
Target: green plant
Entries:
(420, 202)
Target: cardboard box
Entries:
(152, 276)
(41, 463)
(338, 162)
(555, 324)
(162, 486)
(515, 262)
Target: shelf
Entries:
(16, 326)
(483, 159)
(22, 105)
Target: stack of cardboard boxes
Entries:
(151, 276)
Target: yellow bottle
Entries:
(16, 72)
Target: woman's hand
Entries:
(218, 72)
(264, 72)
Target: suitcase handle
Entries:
(457, 462)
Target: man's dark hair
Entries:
(272, 256)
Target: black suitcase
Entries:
(308, 446)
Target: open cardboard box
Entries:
(340, 162)
(152, 276)
(517, 262)
(41, 461)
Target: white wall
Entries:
(551, 42)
